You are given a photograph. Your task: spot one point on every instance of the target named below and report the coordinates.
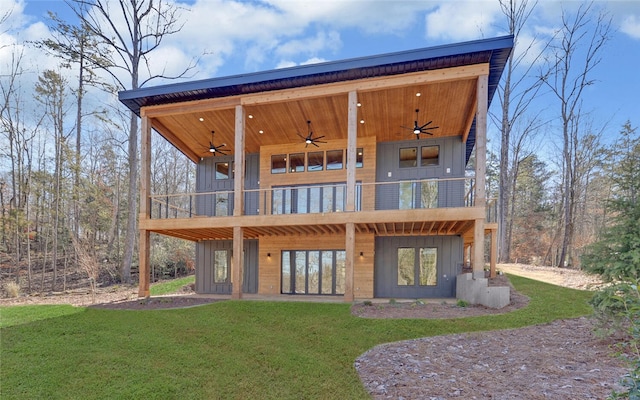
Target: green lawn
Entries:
(225, 350)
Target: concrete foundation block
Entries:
(478, 291)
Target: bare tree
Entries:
(516, 93)
(575, 55)
(51, 90)
(75, 46)
(147, 23)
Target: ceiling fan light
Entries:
(212, 149)
(416, 131)
(308, 141)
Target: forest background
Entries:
(564, 116)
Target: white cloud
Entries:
(462, 20)
(311, 45)
(631, 26)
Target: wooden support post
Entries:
(494, 252)
(145, 211)
(481, 171)
(352, 140)
(238, 176)
(237, 263)
(237, 260)
(350, 247)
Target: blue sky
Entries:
(246, 36)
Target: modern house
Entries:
(348, 178)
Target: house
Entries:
(345, 178)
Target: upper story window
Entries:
(408, 157)
(429, 156)
(316, 161)
(334, 159)
(222, 170)
(278, 163)
(296, 162)
(330, 160)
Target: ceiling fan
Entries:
(215, 150)
(418, 129)
(309, 139)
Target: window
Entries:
(220, 266)
(313, 272)
(222, 204)
(429, 194)
(334, 159)
(316, 161)
(429, 155)
(222, 170)
(425, 273)
(427, 190)
(428, 266)
(296, 162)
(278, 164)
(408, 157)
(406, 263)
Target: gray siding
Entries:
(204, 267)
(449, 265)
(206, 182)
(451, 157)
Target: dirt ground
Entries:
(560, 360)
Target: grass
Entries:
(171, 286)
(226, 350)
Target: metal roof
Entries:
(494, 51)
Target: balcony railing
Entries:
(321, 198)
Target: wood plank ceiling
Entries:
(384, 114)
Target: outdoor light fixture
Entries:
(268, 255)
(361, 254)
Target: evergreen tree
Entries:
(616, 256)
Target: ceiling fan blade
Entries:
(431, 127)
(314, 143)
(425, 125)
(318, 138)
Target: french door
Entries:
(313, 272)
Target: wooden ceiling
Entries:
(387, 114)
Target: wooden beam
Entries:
(188, 107)
(369, 84)
(467, 125)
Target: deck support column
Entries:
(237, 260)
(350, 230)
(145, 211)
(494, 252)
(350, 249)
(481, 170)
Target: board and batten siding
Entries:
(451, 164)
(204, 267)
(449, 265)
